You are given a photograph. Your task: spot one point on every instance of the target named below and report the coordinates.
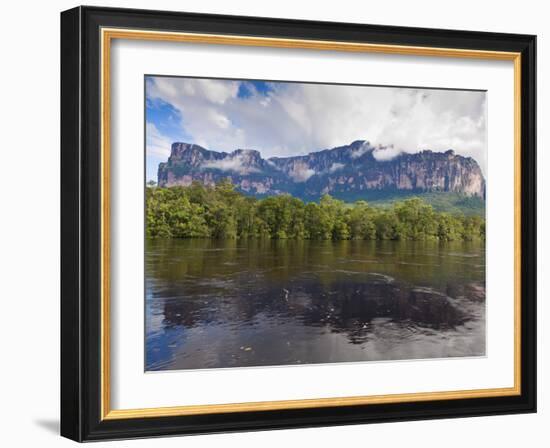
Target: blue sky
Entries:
(285, 119)
(251, 88)
(167, 122)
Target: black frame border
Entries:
(81, 223)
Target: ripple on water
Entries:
(386, 277)
(308, 304)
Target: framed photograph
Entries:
(273, 223)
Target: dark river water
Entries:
(222, 303)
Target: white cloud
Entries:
(365, 147)
(386, 152)
(235, 163)
(298, 118)
(336, 166)
(212, 90)
(273, 165)
(157, 144)
(301, 172)
(218, 119)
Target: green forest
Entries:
(198, 211)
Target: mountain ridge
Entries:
(357, 169)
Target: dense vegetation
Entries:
(441, 201)
(221, 212)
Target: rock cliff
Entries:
(354, 170)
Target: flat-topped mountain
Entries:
(356, 171)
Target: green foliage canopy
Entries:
(199, 211)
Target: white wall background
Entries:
(29, 222)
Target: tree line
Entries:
(199, 211)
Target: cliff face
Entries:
(351, 170)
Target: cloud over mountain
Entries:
(336, 171)
(286, 119)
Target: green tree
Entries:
(199, 211)
(317, 222)
(361, 221)
(416, 219)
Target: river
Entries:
(226, 303)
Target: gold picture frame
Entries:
(106, 32)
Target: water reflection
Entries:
(217, 304)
